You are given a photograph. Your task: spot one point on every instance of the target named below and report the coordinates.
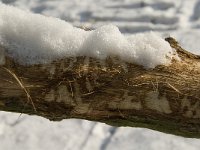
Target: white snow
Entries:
(33, 38)
(176, 18)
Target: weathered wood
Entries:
(166, 98)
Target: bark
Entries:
(166, 98)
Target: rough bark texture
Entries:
(166, 98)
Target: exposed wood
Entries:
(166, 98)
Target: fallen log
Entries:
(118, 93)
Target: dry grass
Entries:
(29, 99)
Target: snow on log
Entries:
(36, 39)
(51, 69)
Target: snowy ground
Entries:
(180, 19)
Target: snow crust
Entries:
(34, 38)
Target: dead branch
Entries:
(166, 98)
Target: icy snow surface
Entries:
(180, 19)
(33, 38)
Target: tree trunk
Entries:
(166, 98)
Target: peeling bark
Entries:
(166, 98)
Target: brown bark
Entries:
(166, 98)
